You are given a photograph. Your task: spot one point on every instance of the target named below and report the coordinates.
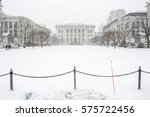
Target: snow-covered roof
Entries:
(137, 14)
(75, 25)
(5, 34)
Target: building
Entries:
(148, 10)
(115, 14)
(19, 30)
(75, 33)
(128, 28)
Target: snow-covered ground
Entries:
(59, 59)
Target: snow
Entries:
(59, 59)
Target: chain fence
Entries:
(2, 75)
(74, 71)
(62, 74)
(107, 75)
(146, 72)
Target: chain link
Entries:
(42, 76)
(4, 75)
(84, 73)
(107, 76)
(146, 72)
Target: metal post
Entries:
(11, 80)
(139, 78)
(74, 78)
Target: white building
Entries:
(18, 29)
(75, 33)
(148, 10)
(116, 14)
(128, 28)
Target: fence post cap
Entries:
(11, 70)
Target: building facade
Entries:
(19, 30)
(128, 28)
(148, 11)
(75, 33)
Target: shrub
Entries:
(140, 45)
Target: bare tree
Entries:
(54, 40)
(96, 39)
(43, 36)
(32, 35)
(114, 38)
(146, 26)
(108, 37)
(23, 33)
(124, 32)
(1, 35)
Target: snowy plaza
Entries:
(55, 60)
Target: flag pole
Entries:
(113, 80)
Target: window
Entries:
(79, 39)
(75, 31)
(142, 31)
(70, 30)
(67, 31)
(142, 25)
(5, 31)
(2, 24)
(15, 33)
(133, 25)
(15, 25)
(82, 39)
(6, 25)
(137, 32)
(10, 24)
(78, 30)
(75, 40)
(138, 25)
(10, 32)
(71, 40)
(82, 30)
(133, 33)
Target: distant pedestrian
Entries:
(6, 47)
(9, 46)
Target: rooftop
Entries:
(75, 24)
(137, 14)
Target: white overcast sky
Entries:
(52, 12)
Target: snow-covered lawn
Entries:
(59, 59)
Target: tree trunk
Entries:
(32, 39)
(41, 41)
(148, 42)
